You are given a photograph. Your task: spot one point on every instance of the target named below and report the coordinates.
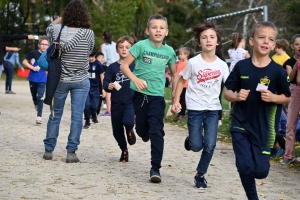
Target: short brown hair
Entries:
(156, 17)
(129, 39)
(282, 43)
(76, 14)
(198, 29)
(44, 37)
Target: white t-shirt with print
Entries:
(235, 56)
(204, 83)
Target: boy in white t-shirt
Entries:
(205, 73)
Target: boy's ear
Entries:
(167, 32)
(147, 31)
(251, 41)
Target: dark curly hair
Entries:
(199, 28)
(76, 14)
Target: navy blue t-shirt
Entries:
(112, 74)
(94, 72)
(291, 62)
(254, 116)
(35, 76)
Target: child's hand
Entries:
(266, 95)
(103, 93)
(111, 86)
(243, 95)
(176, 107)
(140, 84)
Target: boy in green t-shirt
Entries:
(148, 81)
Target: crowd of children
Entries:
(132, 76)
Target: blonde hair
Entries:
(129, 39)
(188, 51)
(263, 24)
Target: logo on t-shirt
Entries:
(147, 60)
(265, 81)
(120, 77)
(208, 74)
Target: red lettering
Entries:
(207, 74)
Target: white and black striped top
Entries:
(77, 44)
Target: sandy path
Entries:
(25, 175)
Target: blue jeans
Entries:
(1, 66)
(78, 91)
(9, 70)
(197, 121)
(37, 92)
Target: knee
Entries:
(209, 148)
(196, 147)
(262, 171)
(244, 167)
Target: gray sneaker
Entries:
(72, 158)
(287, 161)
(48, 155)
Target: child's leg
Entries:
(94, 99)
(108, 101)
(141, 114)
(117, 126)
(292, 121)
(33, 91)
(128, 117)
(281, 140)
(210, 124)
(87, 108)
(40, 97)
(156, 129)
(182, 102)
(245, 163)
(194, 122)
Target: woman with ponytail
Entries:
(237, 51)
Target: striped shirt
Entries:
(77, 44)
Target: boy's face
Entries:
(264, 40)
(92, 59)
(101, 59)
(182, 56)
(208, 40)
(157, 30)
(123, 49)
(43, 45)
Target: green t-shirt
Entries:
(150, 63)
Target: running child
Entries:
(100, 57)
(205, 74)
(96, 73)
(261, 82)
(185, 53)
(116, 83)
(37, 77)
(148, 82)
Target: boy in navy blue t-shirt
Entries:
(93, 98)
(122, 112)
(257, 86)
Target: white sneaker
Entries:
(104, 106)
(38, 120)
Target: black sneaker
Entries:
(124, 156)
(95, 119)
(146, 138)
(131, 139)
(48, 155)
(87, 125)
(200, 182)
(155, 176)
(187, 143)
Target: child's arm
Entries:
(268, 96)
(18, 61)
(139, 83)
(175, 78)
(176, 105)
(232, 96)
(28, 65)
(291, 70)
(102, 79)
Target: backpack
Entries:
(44, 59)
(54, 69)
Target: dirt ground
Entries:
(24, 174)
